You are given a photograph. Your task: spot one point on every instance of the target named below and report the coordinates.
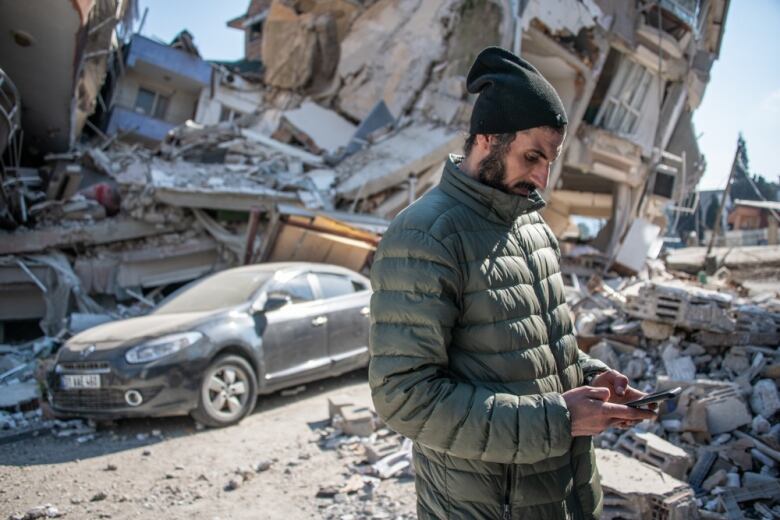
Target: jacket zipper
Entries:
(507, 491)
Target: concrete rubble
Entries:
(719, 439)
(341, 115)
(714, 451)
(339, 106)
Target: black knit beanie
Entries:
(513, 95)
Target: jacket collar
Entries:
(485, 200)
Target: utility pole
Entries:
(723, 200)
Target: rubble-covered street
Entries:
(281, 462)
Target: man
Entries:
(472, 351)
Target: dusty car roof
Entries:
(277, 266)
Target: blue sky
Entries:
(743, 94)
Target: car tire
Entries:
(227, 393)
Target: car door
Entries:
(345, 304)
(295, 336)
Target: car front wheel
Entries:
(228, 392)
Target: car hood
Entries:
(109, 335)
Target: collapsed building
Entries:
(341, 112)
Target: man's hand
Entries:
(591, 413)
(619, 390)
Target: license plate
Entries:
(75, 382)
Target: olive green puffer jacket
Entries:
(471, 347)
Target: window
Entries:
(622, 107)
(161, 107)
(151, 103)
(333, 285)
(357, 286)
(664, 185)
(228, 114)
(256, 31)
(144, 101)
(298, 289)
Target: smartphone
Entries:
(656, 397)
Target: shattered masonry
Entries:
(340, 115)
(312, 119)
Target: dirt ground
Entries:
(167, 468)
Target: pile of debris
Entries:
(715, 450)
(372, 452)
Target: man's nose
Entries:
(542, 175)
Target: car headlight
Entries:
(161, 347)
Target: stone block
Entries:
(655, 451)
(337, 403)
(765, 400)
(358, 420)
(633, 489)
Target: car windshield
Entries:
(220, 291)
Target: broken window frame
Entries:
(622, 108)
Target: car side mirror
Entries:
(276, 301)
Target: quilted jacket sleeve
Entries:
(414, 306)
(590, 367)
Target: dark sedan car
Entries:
(212, 347)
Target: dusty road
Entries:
(180, 472)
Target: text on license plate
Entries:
(73, 382)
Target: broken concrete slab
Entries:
(229, 199)
(691, 259)
(18, 394)
(725, 411)
(683, 305)
(391, 161)
(678, 367)
(103, 232)
(320, 129)
(654, 450)
(640, 243)
(633, 489)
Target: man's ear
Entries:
(483, 142)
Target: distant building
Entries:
(159, 86)
(750, 215)
(251, 23)
(159, 90)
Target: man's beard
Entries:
(491, 171)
